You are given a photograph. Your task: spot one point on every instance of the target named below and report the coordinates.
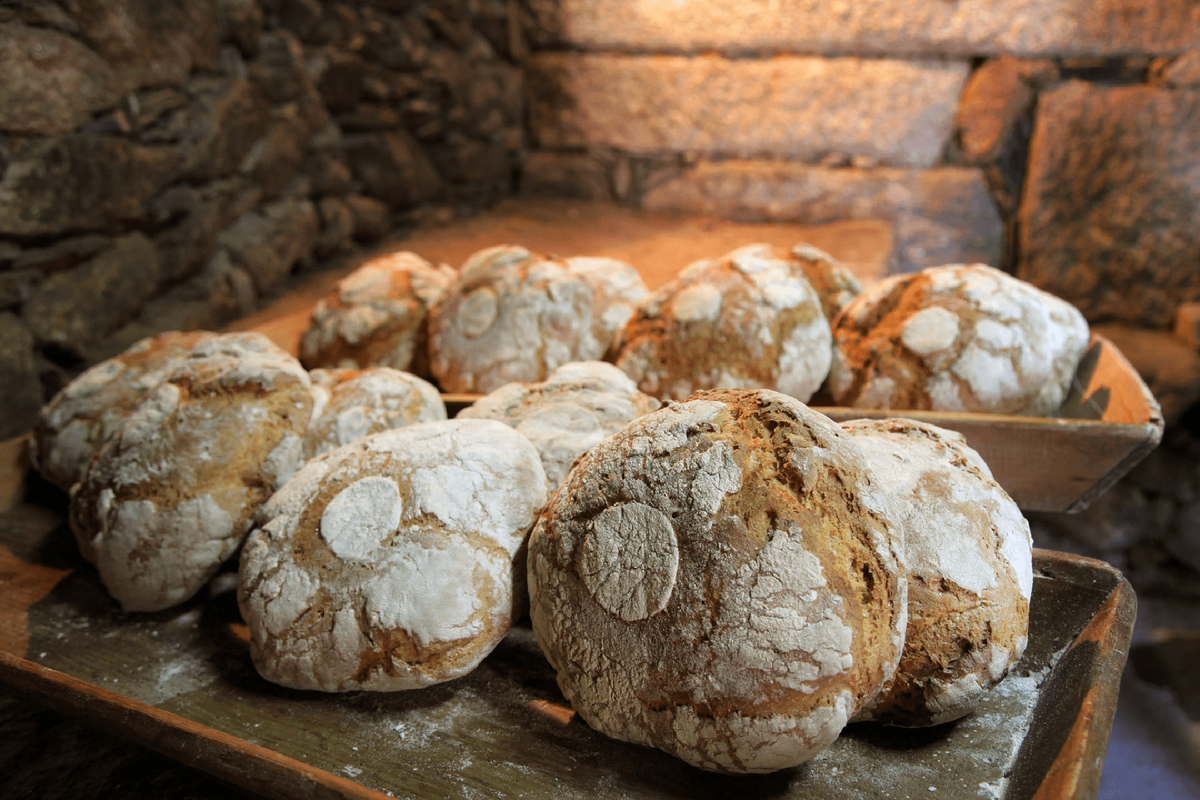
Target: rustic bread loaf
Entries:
(576, 407)
(348, 404)
(377, 316)
(721, 580)
(171, 494)
(749, 319)
(73, 426)
(970, 570)
(835, 285)
(393, 562)
(617, 291)
(512, 316)
(956, 338)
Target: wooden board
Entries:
(180, 682)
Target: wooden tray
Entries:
(1109, 422)
(180, 683)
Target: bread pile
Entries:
(734, 578)
(731, 577)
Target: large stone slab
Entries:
(52, 83)
(876, 27)
(941, 216)
(80, 182)
(893, 112)
(1114, 226)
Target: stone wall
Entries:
(1056, 142)
(1059, 140)
(167, 163)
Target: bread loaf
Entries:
(749, 319)
(171, 494)
(577, 406)
(720, 580)
(956, 338)
(393, 562)
(970, 570)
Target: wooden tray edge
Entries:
(178, 738)
(1075, 772)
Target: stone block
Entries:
(80, 182)
(20, 391)
(52, 83)
(580, 176)
(151, 42)
(392, 167)
(892, 112)
(1186, 327)
(74, 310)
(371, 219)
(997, 95)
(224, 122)
(872, 27)
(1182, 72)
(941, 216)
(269, 240)
(1112, 226)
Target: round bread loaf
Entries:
(73, 426)
(835, 285)
(513, 316)
(749, 319)
(720, 580)
(956, 338)
(172, 493)
(580, 404)
(617, 291)
(377, 316)
(394, 562)
(970, 570)
(349, 404)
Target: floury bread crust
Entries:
(970, 570)
(73, 426)
(377, 315)
(579, 405)
(720, 580)
(172, 493)
(957, 338)
(749, 319)
(512, 317)
(617, 291)
(349, 404)
(394, 562)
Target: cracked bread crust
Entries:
(749, 319)
(512, 316)
(720, 580)
(394, 562)
(80, 418)
(579, 405)
(349, 404)
(970, 571)
(377, 316)
(957, 338)
(171, 495)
